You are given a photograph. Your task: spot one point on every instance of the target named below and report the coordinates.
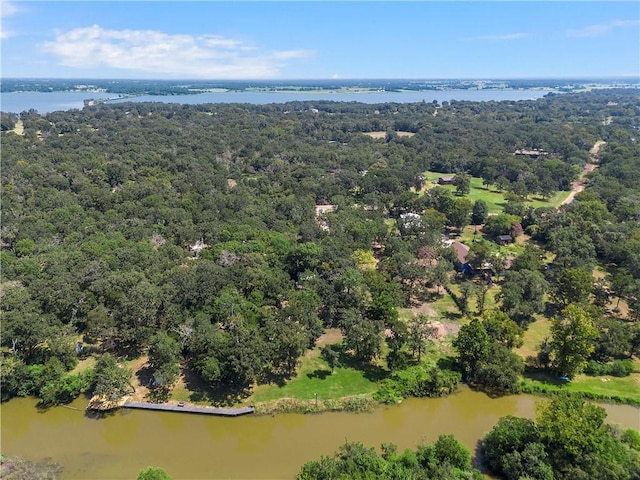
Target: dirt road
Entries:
(578, 185)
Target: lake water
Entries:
(45, 102)
(191, 446)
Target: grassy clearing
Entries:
(314, 376)
(604, 388)
(533, 337)
(83, 365)
(493, 197)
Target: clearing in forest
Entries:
(493, 197)
(384, 134)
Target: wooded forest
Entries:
(194, 234)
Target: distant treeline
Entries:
(186, 87)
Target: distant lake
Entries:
(45, 102)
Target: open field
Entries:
(384, 134)
(626, 389)
(314, 377)
(493, 197)
(533, 337)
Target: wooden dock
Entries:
(169, 407)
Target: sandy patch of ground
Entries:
(424, 309)
(140, 379)
(445, 329)
(19, 128)
(330, 336)
(384, 134)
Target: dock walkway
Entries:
(225, 412)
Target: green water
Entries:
(252, 447)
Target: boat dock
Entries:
(180, 407)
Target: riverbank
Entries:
(249, 447)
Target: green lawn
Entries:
(314, 376)
(533, 336)
(599, 387)
(492, 196)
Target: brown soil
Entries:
(384, 134)
(445, 329)
(424, 309)
(330, 336)
(140, 379)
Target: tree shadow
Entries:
(218, 395)
(452, 316)
(544, 377)
(477, 461)
(447, 363)
(370, 371)
(145, 376)
(321, 374)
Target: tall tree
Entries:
(573, 336)
(479, 212)
(573, 285)
(419, 332)
(112, 379)
(462, 182)
(522, 294)
(164, 358)
(473, 345)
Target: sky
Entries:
(320, 40)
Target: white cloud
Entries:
(498, 38)
(170, 55)
(601, 29)
(7, 9)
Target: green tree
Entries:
(153, 473)
(500, 224)
(502, 329)
(462, 182)
(362, 335)
(467, 290)
(500, 370)
(473, 345)
(573, 336)
(522, 294)
(419, 333)
(573, 285)
(112, 380)
(439, 275)
(479, 212)
(460, 212)
(510, 434)
(331, 355)
(164, 359)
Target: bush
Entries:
(618, 368)
(419, 382)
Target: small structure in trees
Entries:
(504, 239)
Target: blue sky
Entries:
(318, 40)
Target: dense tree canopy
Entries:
(238, 232)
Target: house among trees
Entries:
(448, 180)
(535, 153)
(504, 239)
(321, 211)
(462, 251)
